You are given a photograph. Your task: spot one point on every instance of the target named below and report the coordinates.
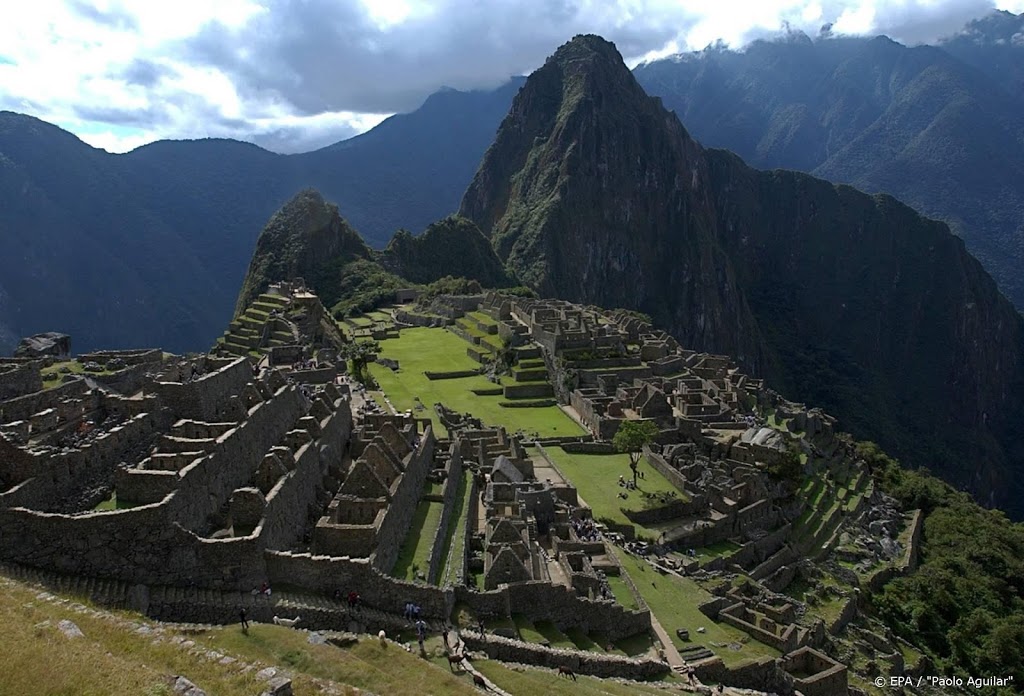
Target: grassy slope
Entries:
(438, 350)
(114, 658)
(674, 601)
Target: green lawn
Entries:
(527, 632)
(455, 537)
(52, 376)
(415, 553)
(596, 479)
(556, 638)
(438, 350)
(623, 595)
(112, 503)
(674, 601)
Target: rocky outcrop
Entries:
(593, 192)
(51, 343)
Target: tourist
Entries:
(480, 625)
(245, 620)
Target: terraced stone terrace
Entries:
(477, 497)
(420, 350)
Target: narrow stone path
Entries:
(460, 648)
(671, 654)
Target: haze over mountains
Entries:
(148, 247)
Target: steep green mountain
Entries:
(939, 127)
(453, 246)
(594, 192)
(150, 247)
(307, 238)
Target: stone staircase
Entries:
(215, 607)
(108, 593)
(258, 327)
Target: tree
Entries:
(360, 353)
(631, 437)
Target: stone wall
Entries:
(411, 319)
(760, 675)
(757, 551)
(671, 511)
(908, 562)
(62, 474)
(206, 484)
(462, 561)
(206, 397)
(780, 637)
(128, 380)
(402, 506)
(324, 575)
(665, 469)
(819, 675)
(579, 661)
(285, 516)
(451, 486)
(589, 448)
(153, 544)
(18, 379)
(558, 604)
(22, 407)
(533, 390)
(144, 486)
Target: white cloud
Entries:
(297, 74)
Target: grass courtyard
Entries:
(674, 601)
(437, 350)
(414, 555)
(596, 478)
(455, 535)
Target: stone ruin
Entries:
(182, 485)
(718, 448)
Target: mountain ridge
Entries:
(613, 203)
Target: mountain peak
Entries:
(299, 241)
(586, 47)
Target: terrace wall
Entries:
(402, 507)
(579, 661)
(451, 486)
(206, 398)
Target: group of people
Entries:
(412, 611)
(305, 364)
(585, 530)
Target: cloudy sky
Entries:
(292, 75)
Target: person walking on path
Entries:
(245, 620)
